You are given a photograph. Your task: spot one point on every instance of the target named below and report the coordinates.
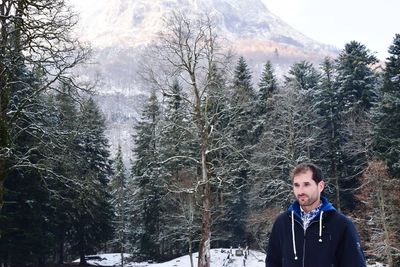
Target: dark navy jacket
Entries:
(335, 245)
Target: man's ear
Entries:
(321, 186)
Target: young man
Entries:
(312, 233)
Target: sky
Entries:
(373, 23)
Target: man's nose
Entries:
(300, 190)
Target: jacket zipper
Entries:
(304, 238)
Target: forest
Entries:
(212, 151)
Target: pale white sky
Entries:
(371, 22)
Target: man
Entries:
(312, 233)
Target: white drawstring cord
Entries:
(293, 238)
(320, 227)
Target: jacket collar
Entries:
(326, 206)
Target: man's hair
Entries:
(303, 167)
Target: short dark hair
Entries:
(306, 166)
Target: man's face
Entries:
(306, 191)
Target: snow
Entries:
(218, 259)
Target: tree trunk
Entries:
(3, 101)
(190, 248)
(60, 259)
(382, 211)
(204, 247)
(82, 259)
(335, 175)
(336, 179)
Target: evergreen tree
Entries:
(282, 146)
(92, 215)
(291, 137)
(64, 157)
(303, 76)
(330, 152)
(25, 224)
(267, 87)
(242, 131)
(145, 173)
(387, 112)
(179, 171)
(243, 91)
(356, 93)
(34, 34)
(119, 202)
(356, 80)
(219, 116)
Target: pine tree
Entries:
(119, 201)
(34, 34)
(242, 132)
(386, 114)
(356, 80)
(267, 87)
(291, 137)
(303, 76)
(64, 157)
(219, 116)
(92, 216)
(243, 91)
(25, 227)
(257, 227)
(177, 151)
(356, 93)
(329, 144)
(146, 178)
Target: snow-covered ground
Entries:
(219, 258)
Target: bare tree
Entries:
(379, 215)
(260, 224)
(188, 50)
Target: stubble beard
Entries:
(307, 203)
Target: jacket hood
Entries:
(326, 206)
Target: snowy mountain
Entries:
(248, 24)
(120, 30)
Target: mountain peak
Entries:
(130, 23)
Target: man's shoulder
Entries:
(282, 217)
(339, 218)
